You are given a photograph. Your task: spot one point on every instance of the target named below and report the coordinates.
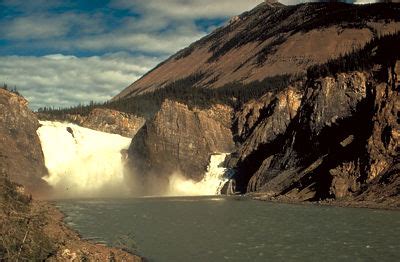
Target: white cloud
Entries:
(32, 6)
(162, 27)
(44, 26)
(34, 28)
(165, 43)
(188, 9)
(58, 80)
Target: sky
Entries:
(60, 53)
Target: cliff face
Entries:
(329, 137)
(21, 155)
(272, 39)
(115, 122)
(180, 139)
(106, 120)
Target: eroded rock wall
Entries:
(21, 156)
(115, 122)
(331, 137)
(180, 139)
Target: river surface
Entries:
(236, 229)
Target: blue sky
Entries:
(64, 52)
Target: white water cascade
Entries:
(83, 162)
(86, 163)
(211, 184)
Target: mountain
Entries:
(272, 39)
(333, 134)
(305, 99)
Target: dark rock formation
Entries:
(21, 155)
(336, 137)
(180, 139)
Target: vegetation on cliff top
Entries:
(12, 90)
(185, 91)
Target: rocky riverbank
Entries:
(32, 230)
(383, 203)
(69, 246)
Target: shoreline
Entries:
(388, 204)
(71, 246)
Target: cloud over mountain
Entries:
(100, 46)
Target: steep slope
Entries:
(272, 39)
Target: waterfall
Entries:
(86, 163)
(83, 162)
(212, 183)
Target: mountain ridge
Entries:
(272, 39)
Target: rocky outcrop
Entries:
(329, 138)
(104, 120)
(180, 139)
(266, 123)
(21, 155)
(115, 122)
(384, 142)
(383, 145)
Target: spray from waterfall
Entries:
(211, 184)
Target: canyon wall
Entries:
(332, 137)
(180, 139)
(21, 156)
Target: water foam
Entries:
(83, 162)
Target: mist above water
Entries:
(84, 163)
(211, 184)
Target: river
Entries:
(236, 229)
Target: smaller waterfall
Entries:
(212, 183)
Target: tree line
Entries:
(12, 89)
(184, 90)
(381, 50)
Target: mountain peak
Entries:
(272, 2)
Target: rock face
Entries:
(180, 139)
(21, 155)
(383, 145)
(333, 137)
(115, 122)
(272, 39)
(106, 120)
